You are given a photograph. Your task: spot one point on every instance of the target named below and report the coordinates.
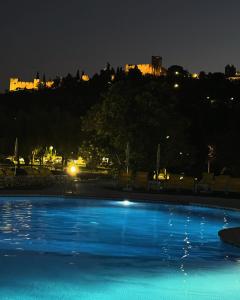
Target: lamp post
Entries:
(210, 157)
(158, 157)
(158, 161)
(51, 150)
(16, 155)
(127, 157)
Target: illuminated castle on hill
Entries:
(155, 68)
(16, 84)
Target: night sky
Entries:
(61, 36)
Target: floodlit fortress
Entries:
(16, 84)
(155, 68)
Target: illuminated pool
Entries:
(66, 248)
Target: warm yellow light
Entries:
(85, 77)
(16, 84)
(21, 161)
(195, 75)
(145, 69)
(162, 175)
(72, 170)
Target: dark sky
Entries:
(60, 36)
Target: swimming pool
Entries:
(68, 248)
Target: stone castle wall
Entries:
(16, 84)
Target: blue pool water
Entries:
(69, 249)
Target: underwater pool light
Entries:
(126, 202)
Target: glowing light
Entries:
(195, 75)
(85, 77)
(146, 69)
(176, 85)
(16, 84)
(21, 161)
(167, 137)
(72, 170)
(126, 202)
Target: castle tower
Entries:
(156, 65)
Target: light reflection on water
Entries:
(157, 249)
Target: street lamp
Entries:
(51, 149)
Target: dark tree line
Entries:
(99, 117)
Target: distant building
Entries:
(236, 77)
(155, 68)
(85, 77)
(16, 84)
(230, 71)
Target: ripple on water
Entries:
(85, 249)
